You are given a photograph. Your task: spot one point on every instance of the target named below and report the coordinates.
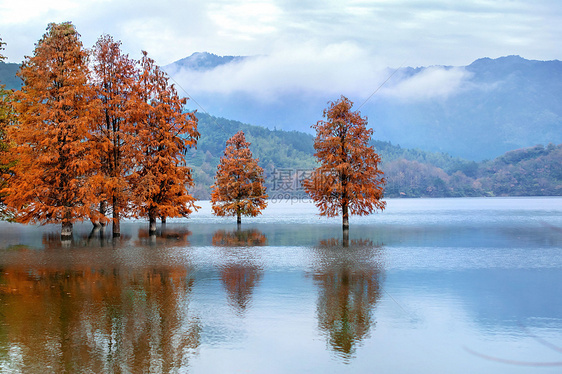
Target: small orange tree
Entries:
(165, 133)
(55, 107)
(239, 188)
(114, 133)
(348, 179)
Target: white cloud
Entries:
(23, 11)
(310, 69)
(422, 32)
(245, 20)
(430, 83)
(339, 69)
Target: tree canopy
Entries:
(51, 182)
(114, 130)
(239, 184)
(162, 178)
(348, 180)
(6, 119)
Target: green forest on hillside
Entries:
(287, 157)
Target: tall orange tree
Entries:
(114, 133)
(165, 133)
(348, 180)
(239, 184)
(55, 108)
(7, 117)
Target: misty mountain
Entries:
(8, 76)
(201, 61)
(504, 104)
(477, 112)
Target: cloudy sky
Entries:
(389, 32)
(319, 45)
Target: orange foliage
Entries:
(6, 119)
(115, 136)
(348, 179)
(165, 134)
(55, 108)
(114, 132)
(239, 188)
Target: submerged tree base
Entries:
(66, 231)
(152, 226)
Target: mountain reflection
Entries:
(349, 277)
(240, 272)
(96, 319)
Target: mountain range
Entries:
(476, 112)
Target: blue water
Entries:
(466, 285)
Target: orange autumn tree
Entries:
(348, 180)
(165, 133)
(7, 117)
(7, 161)
(239, 188)
(55, 108)
(114, 133)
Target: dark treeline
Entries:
(535, 171)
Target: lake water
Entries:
(468, 285)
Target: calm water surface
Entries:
(428, 286)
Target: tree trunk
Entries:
(95, 232)
(344, 197)
(66, 231)
(346, 238)
(238, 217)
(163, 226)
(345, 216)
(151, 225)
(116, 218)
(101, 235)
(103, 210)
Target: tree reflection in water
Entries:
(349, 276)
(95, 317)
(169, 236)
(240, 272)
(239, 238)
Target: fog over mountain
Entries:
(477, 111)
